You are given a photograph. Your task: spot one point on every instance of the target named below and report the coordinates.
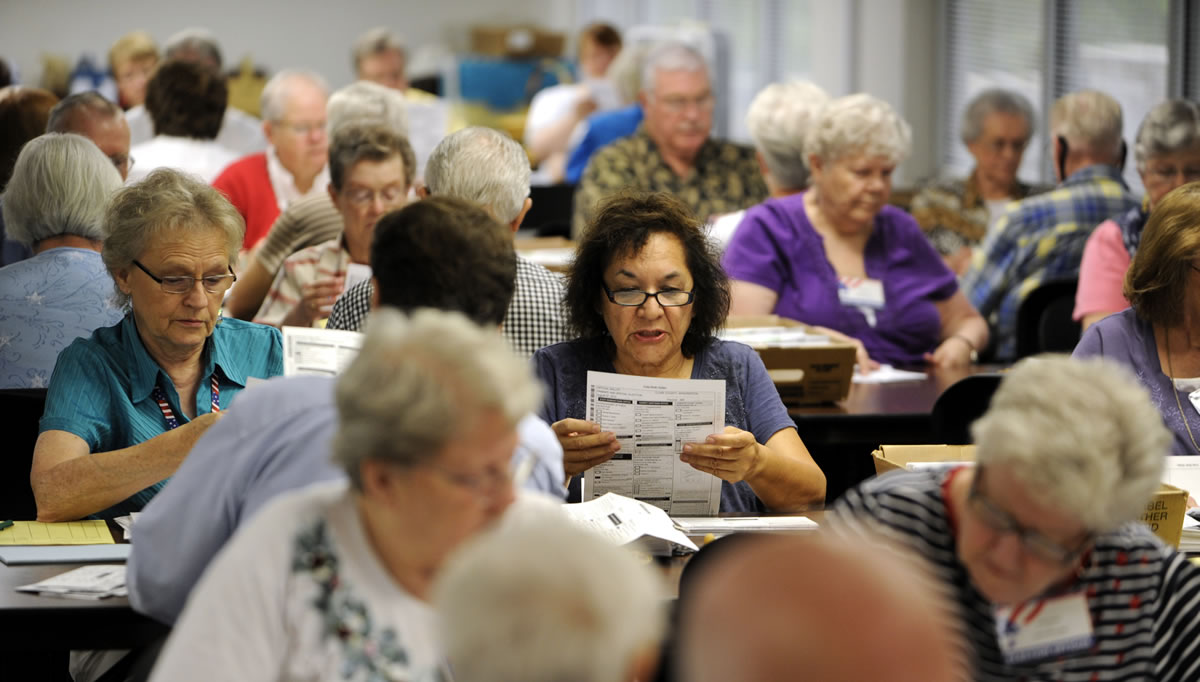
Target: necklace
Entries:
(1178, 404)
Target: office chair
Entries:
(1044, 323)
(961, 404)
(22, 409)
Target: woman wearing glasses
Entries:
(1040, 544)
(839, 257)
(126, 404)
(646, 295)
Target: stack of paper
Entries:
(85, 582)
(624, 520)
(886, 374)
(126, 524)
(718, 526)
(1189, 540)
(773, 337)
(1184, 473)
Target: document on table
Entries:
(1183, 473)
(86, 582)
(622, 520)
(723, 525)
(91, 532)
(652, 419)
(308, 350)
(886, 374)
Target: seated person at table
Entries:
(126, 404)
(313, 220)
(23, 116)
(646, 295)
(1155, 338)
(1068, 456)
(426, 256)
(1167, 155)
(777, 607)
(543, 600)
(840, 257)
(332, 581)
(54, 203)
(369, 174)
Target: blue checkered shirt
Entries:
(1038, 240)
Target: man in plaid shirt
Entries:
(1041, 238)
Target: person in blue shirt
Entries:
(55, 204)
(126, 404)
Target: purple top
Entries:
(1129, 340)
(777, 247)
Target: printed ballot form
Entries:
(652, 419)
(309, 350)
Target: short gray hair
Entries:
(376, 41)
(858, 124)
(483, 166)
(1089, 119)
(671, 55)
(65, 117)
(166, 201)
(60, 185)
(625, 71)
(545, 601)
(778, 119)
(1095, 444)
(367, 103)
(195, 40)
(275, 93)
(995, 101)
(417, 381)
(1171, 126)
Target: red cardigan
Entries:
(248, 186)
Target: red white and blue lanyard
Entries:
(160, 397)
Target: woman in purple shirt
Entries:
(838, 256)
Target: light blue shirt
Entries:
(46, 302)
(101, 387)
(277, 439)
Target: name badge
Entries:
(1194, 396)
(1044, 628)
(861, 292)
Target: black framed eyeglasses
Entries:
(667, 298)
(1034, 541)
(181, 284)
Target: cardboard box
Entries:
(1164, 512)
(803, 375)
(523, 40)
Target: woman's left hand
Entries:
(731, 455)
(954, 352)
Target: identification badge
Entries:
(1044, 628)
(1194, 397)
(861, 292)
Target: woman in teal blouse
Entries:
(125, 405)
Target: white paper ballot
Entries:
(309, 350)
(652, 419)
(86, 582)
(622, 520)
(724, 525)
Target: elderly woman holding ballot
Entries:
(646, 294)
(1047, 523)
(126, 404)
(838, 256)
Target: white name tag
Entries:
(861, 292)
(1044, 628)
(1194, 396)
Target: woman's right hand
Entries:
(584, 444)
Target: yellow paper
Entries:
(92, 532)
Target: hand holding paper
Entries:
(584, 444)
(730, 455)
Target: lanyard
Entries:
(160, 397)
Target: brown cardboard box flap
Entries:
(808, 374)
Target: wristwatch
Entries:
(974, 352)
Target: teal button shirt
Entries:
(101, 387)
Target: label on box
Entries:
(1043, 628)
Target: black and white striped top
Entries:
(1144, 597)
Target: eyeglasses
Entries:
(487, 483)
(678, 105)
(123, 162)
(361, 196)
(667, 298)
(299, 128)
(1035, 542)
(999, 144)
(213, 284)
(1168, 173)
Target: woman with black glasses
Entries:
(646, 294)
(126, 404)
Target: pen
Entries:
(5, 524)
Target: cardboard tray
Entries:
(803, 376)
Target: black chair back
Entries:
(960, 405)
(1044, 323)
(22, 409)
(550, 214)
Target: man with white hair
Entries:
(539, 599)
(489, 169)
(672, 151)
(240, 132)
(1041, 239)
(294, 166)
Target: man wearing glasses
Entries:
(1040, 543)
(671, 150)
(370, 174)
